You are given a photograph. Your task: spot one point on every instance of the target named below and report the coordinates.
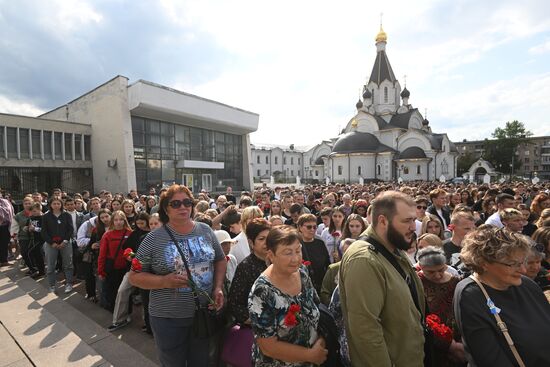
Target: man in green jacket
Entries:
(383, 305)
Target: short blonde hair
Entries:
(490, 244)
(249, 213)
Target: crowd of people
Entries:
(382, 274)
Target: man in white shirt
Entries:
(503, 201)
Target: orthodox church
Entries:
(387, 139)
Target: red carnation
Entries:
(290, 320)
(129, 253)
(336, 234)
(57, 239)
(227, 258)
(136, 264)
(306, 262)
(295, 308)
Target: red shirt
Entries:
(107, 249)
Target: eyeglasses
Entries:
(178, 203)
(421, 207)
(311, 226)
(514, 264)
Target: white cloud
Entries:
(540, 48)
(10, 106)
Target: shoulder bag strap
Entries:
(391, 258)
(184, 259)
(501, 324)
(119, 245)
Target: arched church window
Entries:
(444, 167)
(418, 170)
(378, 169)
(340, 170)
(359, 171)
(258, 159)
(406, 170)
(316, 173)
(385, 94)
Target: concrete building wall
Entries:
(106, 109)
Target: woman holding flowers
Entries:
(111, 253)
(333, 234)
(283, 307)
(439, 287)
(159, 266)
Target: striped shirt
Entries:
(159, 255)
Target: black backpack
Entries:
(328, 330)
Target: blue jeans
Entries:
(176, 344)
(51, 259)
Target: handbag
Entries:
(87, 257)
(205, 321)
(109, 266)
(501, 324)
(237, 346)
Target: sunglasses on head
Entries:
(178, 203)
(421, 207)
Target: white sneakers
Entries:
(68, 288)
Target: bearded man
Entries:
(382, 297)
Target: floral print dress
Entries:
(271, 315)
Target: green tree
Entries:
(501, 151)
(464, 162)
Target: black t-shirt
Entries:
(529, 229)
(525, 311)
(450, 248)
(316, 252)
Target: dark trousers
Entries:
(24, 249)
(176, 344)
(89, 278)
(145, 304)
(4, 243)
(33, 252)
(110, 287)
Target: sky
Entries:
(473, 65)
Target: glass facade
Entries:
(22, 141)
(159, 145)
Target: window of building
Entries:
(299, 161)
(58, 145)
(87, 147)
(418, 170)
(316, 173)
(292, 173)
(68, 146)
(276, 160)
(536, 168)
(444, 167)
(378, 169)
(47, 144)
(78, 147)
(266, 159)
(291, 160)
(258, 159)
(267, 172)
(284, 160)
(406, 170)
(1, 141)
(258, 173)
(36, 141)
(340, 169)
(11, 133)
(526, 160)
(359, 170)
(24, 143)
(385, 94)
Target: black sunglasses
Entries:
(178, 203)
(311, 226)
(421, 207)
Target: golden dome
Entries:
(381, 36)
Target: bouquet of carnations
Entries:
(443, 335)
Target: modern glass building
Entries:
(39, 154)
(147, 135)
